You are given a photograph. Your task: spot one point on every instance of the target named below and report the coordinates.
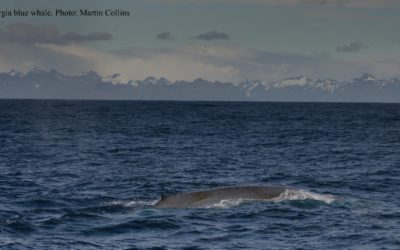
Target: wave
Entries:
(227, 203)
(288, 195)
(300, 194)
(135, 203)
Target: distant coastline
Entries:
(40, 84)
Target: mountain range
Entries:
(40, 84)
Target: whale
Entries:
(206, 198)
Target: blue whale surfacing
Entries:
(206, 198)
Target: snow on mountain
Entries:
(113, 79)
(327, 85)
(249, 86)
(163, 81)
(152, 81)
(295, 81)
(92, 75)
(14, 72)
(90, 85)
(149, 81)
(367, 78)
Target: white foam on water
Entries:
(289, 194)
(135, 203)
(225, 203)
(293, 194)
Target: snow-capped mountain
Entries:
(328, 85)
(366, 78)
(251, 88)
(152, 81)
(90, 85)
(295, 81)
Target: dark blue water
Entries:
(84, 174)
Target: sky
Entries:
(211, 39)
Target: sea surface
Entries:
(86, 174)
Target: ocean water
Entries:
(85, 174)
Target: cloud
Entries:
(212, 62)
(165, 36)
(213, 35)
(348, 3)
(395, 40)
(28, 46)
(341, 3)
(180, 63)
(351, 48)
(28, 33)
(385, 67)
(25, 57)
(76, 37)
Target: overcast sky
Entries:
(213, 39)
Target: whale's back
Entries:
(212, 196)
